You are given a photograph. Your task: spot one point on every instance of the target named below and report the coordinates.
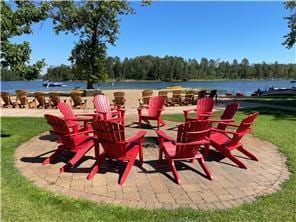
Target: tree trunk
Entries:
(90, 84)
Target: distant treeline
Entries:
(173, 68)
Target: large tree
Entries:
(97, 24)
(16, 19)
(290, 38)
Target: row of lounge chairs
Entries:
(103, 128)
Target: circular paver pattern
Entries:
(152, 185)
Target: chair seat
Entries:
(219, 139)
(170, 149)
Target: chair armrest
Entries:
(201, 142)
(229, 124)
(160, 133)
(221, 120)
(223, 131)
(205, 114)
(86, 114)
(189, 110)
(138, 136)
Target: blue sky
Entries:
(215, 30)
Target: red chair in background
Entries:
(106, 111)
(224, 143)
(69, 141)
(74, 119)
(111, 136)
(154, 109)
(190, 137)
(203, 110)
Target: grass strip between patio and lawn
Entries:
(23, 201)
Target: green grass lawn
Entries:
(22, 201)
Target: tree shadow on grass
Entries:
(278, 114)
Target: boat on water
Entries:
(52, 84)
(276, 92)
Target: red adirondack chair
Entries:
(203, 110)
(224, 143)
(111, 136)
(155, 107)
(190, 137)
(107, 111)
(74, 119)
(69, 141)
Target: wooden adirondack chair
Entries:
(189, 97)
(106, 111)
(176, 98)
(76, 99)
(224, 143)
(69, 141)
(202, 94)
(119, 99)
(190, 137)
(40, 98)
(74, 119)
(155, 107)
(112, 138)
(54, 99)
(22, 99)
(165, 95)
(7, 100)
(146, 95)
(203, 110)
(213, 94)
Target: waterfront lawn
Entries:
(21, 200)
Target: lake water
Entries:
(244, 86)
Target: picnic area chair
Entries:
(222, 140)
(154, 109)
(146, 95)
(213, 94)
(106, 111)
(202, 94)
(22, 99)
(54, 99)
(40, 98)
(165, 95)
(176, 98)
(112, 138)
(190, 137)
(69, 140)
(189, 98)
(75, 119)
(7, 100)
(119, 99)
(76, 99)
(203, 110)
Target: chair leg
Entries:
(174, 170)
(247, 153)
(160, 156)
(204, 167)
(162, 122)
(54, 156)
(96, 167)
(234, 159)
(127, 170)
(206, 151)
(140, 122)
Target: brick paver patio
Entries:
(152, 186)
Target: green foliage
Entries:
(177, 68)
(97, 24)
(21, 200)
(290, 38)
(59, 73)
(17, 20)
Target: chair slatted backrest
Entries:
(155, 104)
(177, 94)
(21, 96)
(61, 129)
(76, 97)
(191, 132)
(102, 104)
(146, 95)
(119, 98)
(228, 113)
(111, 136)
(55, 98)
(67, 112)
(243, 129)
(204, 105)
(6, 98)
(40, 97)
(213, 93)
